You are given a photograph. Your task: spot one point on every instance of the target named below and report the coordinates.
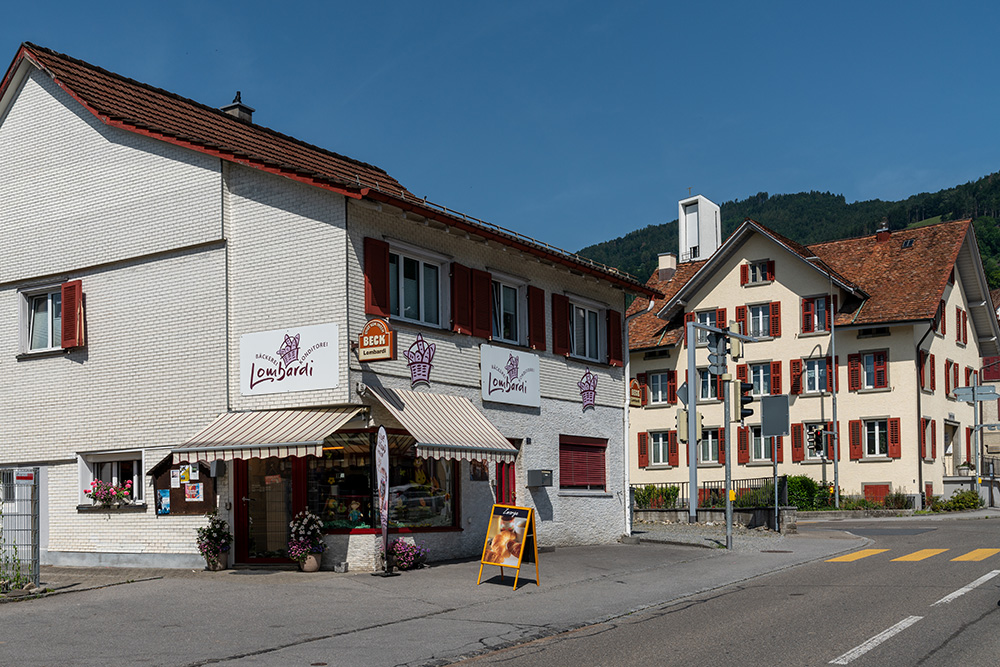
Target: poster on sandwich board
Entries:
(509, 537)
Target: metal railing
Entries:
(756, 492)
(19, 527)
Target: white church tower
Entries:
(699, 223)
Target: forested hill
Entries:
(811, 217)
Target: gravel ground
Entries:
(711, 535)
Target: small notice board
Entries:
(510, 538)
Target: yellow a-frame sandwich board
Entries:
(510, 535)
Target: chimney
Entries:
(882, 234)
(239, 110)
(666, 266)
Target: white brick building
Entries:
(193, 239)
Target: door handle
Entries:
(246, 500)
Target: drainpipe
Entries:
(626, 464)
(920, 391)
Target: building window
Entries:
(44, 320)
(761, 447)
(506, 320)
(582, 463)
(708, 319)
(6, 485)
(873, 332)
(708, 448)
(759, 272)
(115, 468)
(876, 437)
(760, 376)
(876, 375)
(814, 375)
(816, 314)
(414, 289)
(659, 448)
(659, 384)
(709, 385)
(760, 320)
(585, 332)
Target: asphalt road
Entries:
(937, 605)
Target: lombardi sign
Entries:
(509, 376)
(294, 359)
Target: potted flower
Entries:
(105, 494)
(305, 541)
(214, 541)
(406, 555)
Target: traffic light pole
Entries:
(729, 479)
(694, 388)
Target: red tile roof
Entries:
(901, 284)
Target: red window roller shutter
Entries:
(881, 370)
(376, 277)
(72, 314)
(643, 387)
(795, 381)
(672, 448)
(671, 387)
(933, 374)
(779, 448)
(560, 324)
(853, 372)
(743, 445)
(775, 319)
(958, 324)
(614, 338)
(854, 429)
(643, 450)
(688, 317)
(741, 318)
(536, 318)
(770, 269)
(798, 447)
(720, 436)
(775, 378)
(720, 318)
(461, 298)
(923, 438)
(894, 439)
(581, 466)
(744, 274)
(482, 304)
(807, 315)
(933, 439)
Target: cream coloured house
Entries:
(911, 314)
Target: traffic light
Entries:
(717, 349)
(743, 397)
(735, 344)
(682, 425)
(816, 440)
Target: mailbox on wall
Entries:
(539, 478)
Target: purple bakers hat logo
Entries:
(588, 389)
(419, 358)
(509, 379)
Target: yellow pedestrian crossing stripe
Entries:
(920, 555)
(975, 555)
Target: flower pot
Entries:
(311, 563)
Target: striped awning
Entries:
(446, 427)
(250, 435)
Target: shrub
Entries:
(960, 500)
(896, 500)
(802, 491)
(656, 497)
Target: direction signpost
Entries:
(976, 394)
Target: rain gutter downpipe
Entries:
(933, 325)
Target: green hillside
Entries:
(811, 217)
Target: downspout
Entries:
(626, 466)
(920, 414)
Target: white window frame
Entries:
(600, 309)
(760, 447)
(28, 297)
(757, 272)
(658, 383)
(708, 447)
(819, 323)
(424, 258)
(867, 435)
(89, 464)
(757, 378)
(818, 376)
(705, 318)
(764, 315)
(711, 384)
(659, 448)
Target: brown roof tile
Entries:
(647, 330)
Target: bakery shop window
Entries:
(341, 485)
(582, 463)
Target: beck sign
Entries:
(377, 341)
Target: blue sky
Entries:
(577, 122)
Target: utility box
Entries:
(539, 478)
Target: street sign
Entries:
(682, 393)
(774, 415)
(976, 394)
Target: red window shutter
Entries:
(798, 447)
(831, 373)
(461, 298)
(923, 370)
(965, 326)
(643, 387)
(744, 274)
(838, 441)
(779, 447)
(743, 445)
(720, 436)
(741, 372)
(770, 269)
(615, 355)
(741, 318)
(928, 490)
(881, 370)
(807, 315)
(857, 449)
(72, 314)
(968, 444)
(933, 375)
(688, 317)
(894, 438)
(482, 304)
(853, 372)
(968, 376)
(836, 373)
(560, 324)
(376, 277)
(830, 447)
(944, 319)
(775, 378)
(775, 319)
(834, 307)
(954, 376)
(672, 448)
(923, 438)
(643, 450)
(720, 318)
(933, 439)
(720, 387)
(536, 318)
(947, 376)
(991, 369)
(795, 381)
(958, 324)
(671, 387)
(829, 310)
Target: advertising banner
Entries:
(509, 376)
(293, 359)
(382, 468)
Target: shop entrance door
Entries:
(263, 491)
